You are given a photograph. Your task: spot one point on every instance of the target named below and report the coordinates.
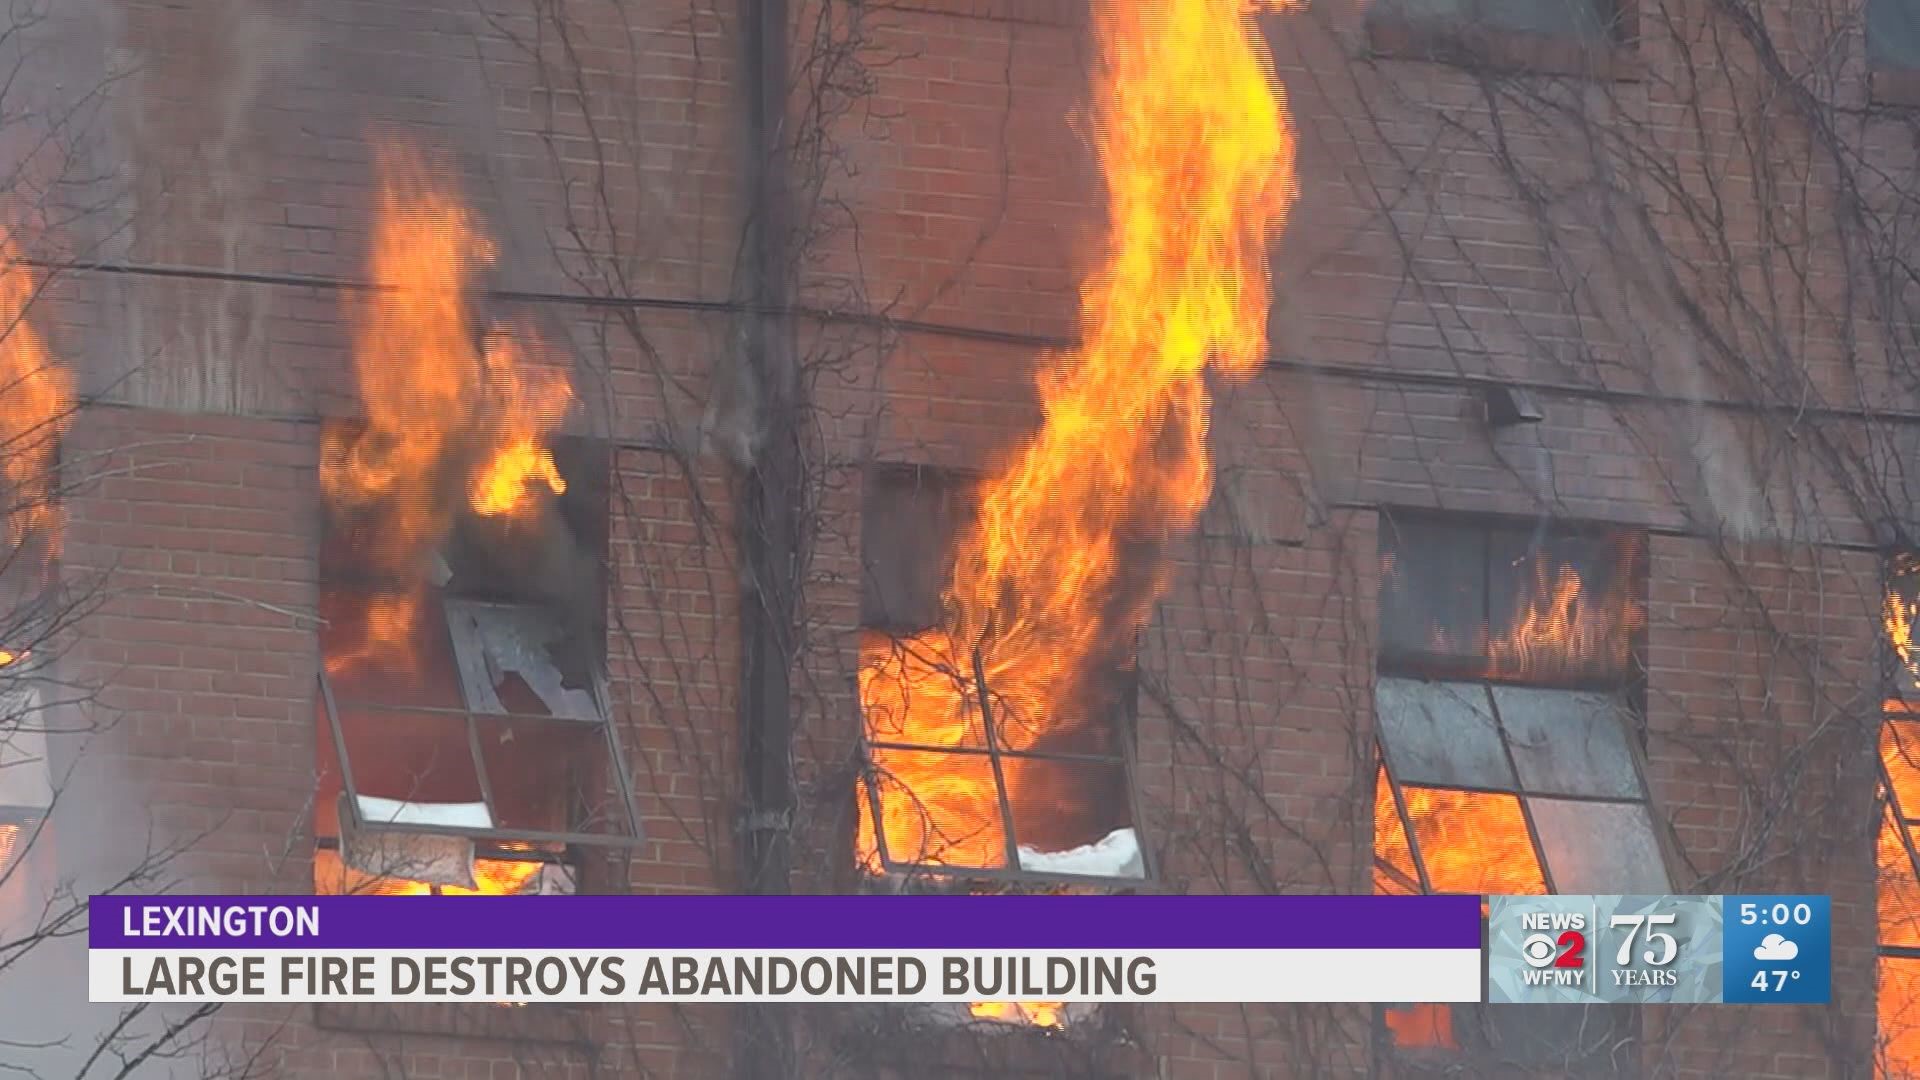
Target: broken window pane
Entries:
(511, 660)
(1473, 842)
(1567, 742)
(1596, 847)
(1440, 734)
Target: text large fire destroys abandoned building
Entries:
(545, 446)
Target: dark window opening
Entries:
(464, 738)
(1893, 34)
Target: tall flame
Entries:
(1064, 561)
(448, 416)
(36, 408)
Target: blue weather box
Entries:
(1779, 949)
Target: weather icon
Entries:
(1775, 947)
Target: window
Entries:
(996, 792)
(1893, 34)
(1898, 846)
(1505, 704)
(1576, 19)
(464, 739)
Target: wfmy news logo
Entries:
(1611, 948)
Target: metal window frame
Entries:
(634, 836)
(1519, 790)
(1412, 665)
(1125, 722)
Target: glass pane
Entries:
(511, 660)
(1432, 595)
(1473, 842)
(1390, 847)
(1899, 889)
(1599, 847)
(1564, 608)
(1900, 752)
(1899, 1016)
(1441, 734)
(551, 776)
(1566, 742)
(1893, 33)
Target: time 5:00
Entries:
(1777, 915)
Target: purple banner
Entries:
(785, 922)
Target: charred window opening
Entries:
(1506, 704)
(965, 778)
(1898, 845)
(464, 739)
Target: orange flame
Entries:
(36, 409)
(492, 877)
(1046, 1014)
(1560, 629)
(1194, 144)
(9, 839)
(439, 406)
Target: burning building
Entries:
(1113, 447)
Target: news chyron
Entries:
(1736, 950)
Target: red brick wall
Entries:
(977, 206)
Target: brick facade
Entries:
(956, 202)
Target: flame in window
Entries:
(447, 407)
(36, 409)
(1898, 893)
(1061, 566)
(1561, 628)
(492, 877)
(11, 837)
(1046, 1014)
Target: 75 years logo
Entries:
(1610, 948)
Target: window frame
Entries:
(1887, 83)
(467, 714)
(1468, 42)
(583, 462)
(1899, 704)
(1469, 1025)
(1123, 720)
